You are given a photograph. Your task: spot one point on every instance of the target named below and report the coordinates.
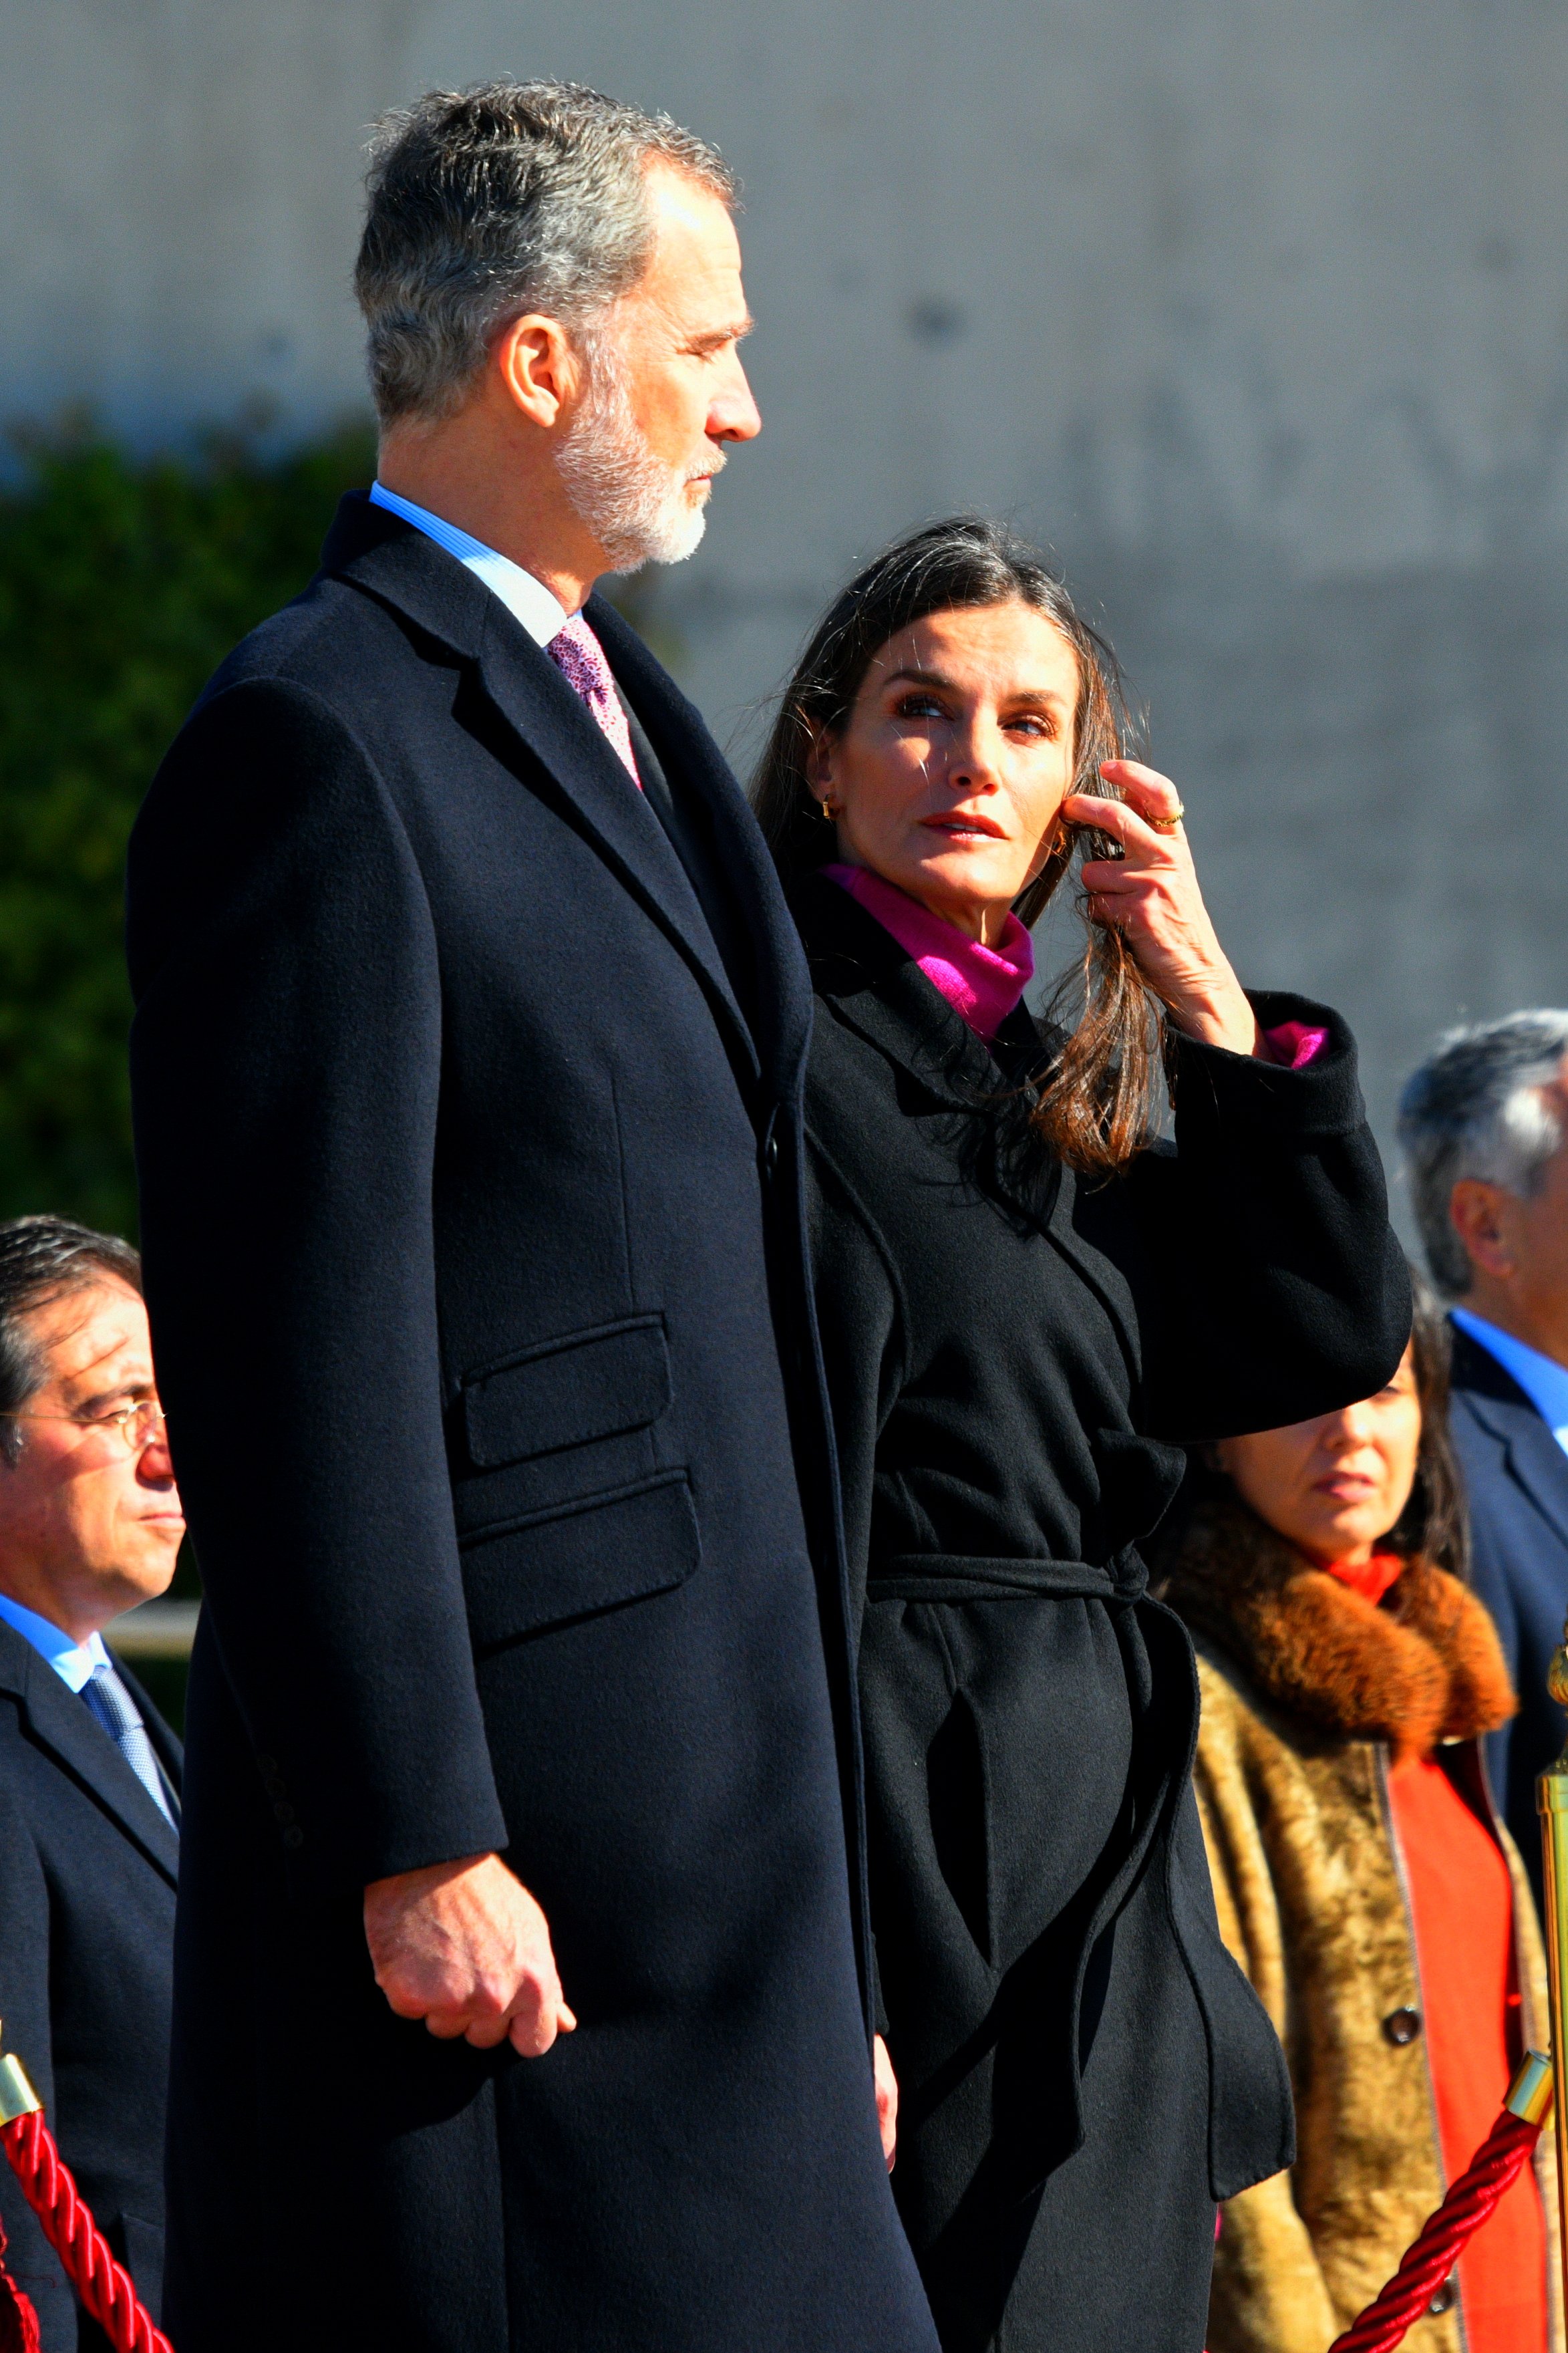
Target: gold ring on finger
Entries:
(1167, 824)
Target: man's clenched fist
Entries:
(465, 1946)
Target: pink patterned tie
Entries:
(580, 657)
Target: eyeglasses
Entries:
(140, 1425)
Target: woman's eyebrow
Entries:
(913, 675)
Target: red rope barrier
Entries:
(18, 2321)
(1430, 2261)
(104, 2287)
(109, 2293)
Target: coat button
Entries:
(771, 1153)
(1403, 2026)
(1443, 2301)
(294, 1836)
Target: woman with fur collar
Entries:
(1363, 1876)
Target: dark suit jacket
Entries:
(474, 1241)
(1013, 1355)
(1516, 1483)
(88, 1866)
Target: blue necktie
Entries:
(115, 1709)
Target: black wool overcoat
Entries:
(1013, 1355)
(88, 1867)
(474, 1235)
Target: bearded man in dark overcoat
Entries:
(521, 1976)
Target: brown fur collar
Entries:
(1422, 1666)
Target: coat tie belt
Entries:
(977, 1577)
(1032, 2034)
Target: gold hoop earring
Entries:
(827, 810)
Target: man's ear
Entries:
(1477, 1213)
(540, 371)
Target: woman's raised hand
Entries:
(1150, 895)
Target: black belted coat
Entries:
(1013, 1354)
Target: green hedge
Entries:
(123, 582)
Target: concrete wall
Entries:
(1257, 312)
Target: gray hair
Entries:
(1476, 1108)
(40, 1258)
(490, 203)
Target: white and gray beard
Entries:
(634, 503)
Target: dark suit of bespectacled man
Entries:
(90, 1773)
(521, 1991)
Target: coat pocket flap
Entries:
(565, 1392)
(580, 1558)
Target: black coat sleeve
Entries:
(1271, 1286)
(286, 1061)
(25, 2011)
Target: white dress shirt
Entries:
(75, 1662)
(1542, 1379)
(526, 598)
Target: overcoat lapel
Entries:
(386, 558)
(877, 988)
(61, 1722)
(879, 991)
(1540, 1467)
(1535, 1461)
(534, 699)
(679, 735)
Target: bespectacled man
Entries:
(90, 1773)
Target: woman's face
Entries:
(1334, 1486)
(952, 765)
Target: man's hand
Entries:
(465, 1946)
(887, 2100)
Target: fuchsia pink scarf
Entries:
(984, 984)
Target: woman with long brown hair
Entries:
(1024, 1299)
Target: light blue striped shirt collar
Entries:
(75, 1663)
(526, 598)
(1542, 1379)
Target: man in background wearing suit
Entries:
(89, 1774)
(521, 1978)
(1484, 1123)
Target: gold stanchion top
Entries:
(1551, 1787)
(1557, 1672)
(17, 2097)
(1530, 2094)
